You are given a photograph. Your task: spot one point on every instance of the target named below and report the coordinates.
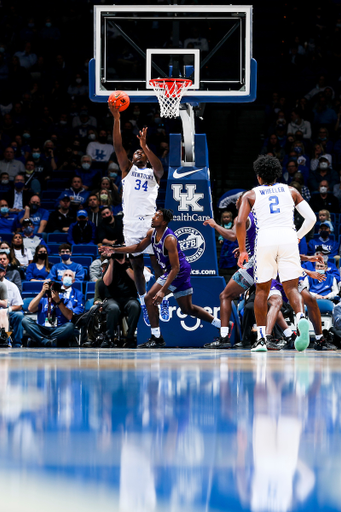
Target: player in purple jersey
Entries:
(175, 277)
(240, 282)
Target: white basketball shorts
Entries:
(136, 230)
(276, 252)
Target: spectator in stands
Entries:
(14, 304)
(297, 123)
(61, 219)
(83, 121)
(324, 200)
(41, 166)
(7, 217)
(26, 57)
(82, 231)
(19, 196)
(325, 240)
(58, 269)
(323, 172)
(327, 289)
(87, 173)
(38, 215)
(100, 150)
(305, 192)
(324, 115)
(289, 172)
(31, 241)
(318, 151)
(31, 177)
(5, 184)
(77, 193)
(324, 218)
(22, 254)
(93, 209)
(331, 266)
(319, 87)
(54, 310)
(40, 268)
(226, 221)
(272, 145)
(12, 272)
(324, 139)
(10, 165)
(110, 231)
(95, 269)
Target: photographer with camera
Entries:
(56, 305)
(118, 292)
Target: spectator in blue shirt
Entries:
(89, 176)
(327, 289)
(58, 269)
(83, 231)
(7, 217)
(324, 239)
(54, 314)
(39, 269)
(323, 114)
(38, 215)
(78, 194)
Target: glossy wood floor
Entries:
(170, 430)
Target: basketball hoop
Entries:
(169, 92)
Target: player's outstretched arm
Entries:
(155, 162)
(228, 234)
(123, 161)
(303, 209)
(140, 247)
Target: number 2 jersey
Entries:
(140, 190)
(273, 212)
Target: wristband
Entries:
(57, 303)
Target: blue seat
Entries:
(6, 237)
(325, 306)
(78, 285)
(48, 204)
(54, 248)
(26, 303)
(51, 195)
(31, 288)
(57, 238)
(90, 290)
(84, 249)
(53, 259)
(85, 261)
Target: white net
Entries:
(169, 93)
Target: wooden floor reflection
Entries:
(170, 430)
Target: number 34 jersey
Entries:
(273, 208)
(140, 190)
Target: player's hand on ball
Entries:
(112, 107)
(243, 257)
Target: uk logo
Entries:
(188, 199)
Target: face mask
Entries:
(294, 158)
(4, 182)
(298, 150)
(26, 135)
(107, 220)
(113, 175)
(86, 166)
(78, 80)
(19, 185)
(67, 281)
(42, 255)
(82, 223)
(91, 136)
(102, 139)
(30, 25)
(34, 207)
(104, 197)
(322, 138)
(4, 210)
(324, 165)
(62, 123)
(65, 257)
(324, 234)
(323, 190)
(7, 251)
(36, 155)
(321, 271)
(29, 230)
(29, 172)
(48, 25)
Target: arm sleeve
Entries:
(334, 291)
(309, 218)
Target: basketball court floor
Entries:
(169, 430)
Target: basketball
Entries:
(120, 99)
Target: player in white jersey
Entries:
(276, 247)
(140, 185)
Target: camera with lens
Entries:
(56, 287)
(118, 256)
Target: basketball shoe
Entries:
(145, 315)
(153, 342)
(259, 346)
(303, 339)
(164, 310)
(221, 342)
